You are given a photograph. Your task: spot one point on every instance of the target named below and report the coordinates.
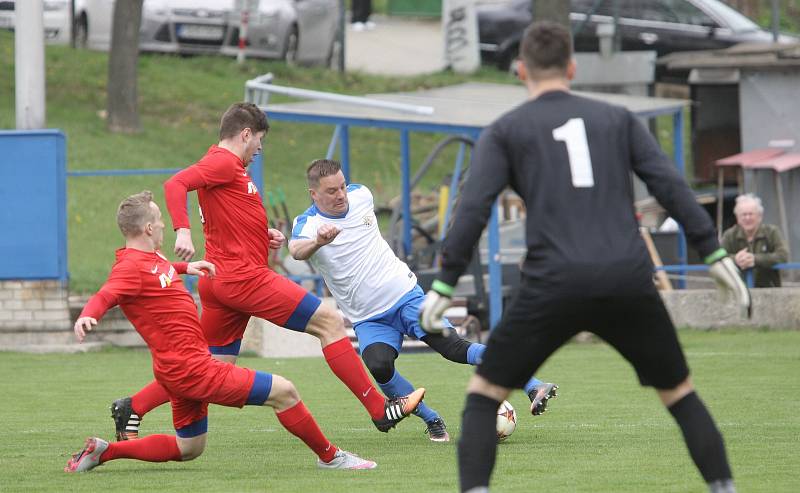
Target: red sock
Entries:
(300, 423)
(152, 448)
(150, 397)
(346, 365)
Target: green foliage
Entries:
(603, 432)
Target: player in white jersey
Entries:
(375, 290)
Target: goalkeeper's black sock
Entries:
(478, 443)
(702, 438)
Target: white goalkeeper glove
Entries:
(729, 281)
(437, 300)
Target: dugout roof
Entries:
(472, 104)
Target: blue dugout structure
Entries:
(456, 110)
(33, 220)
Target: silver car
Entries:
(55, 18)
(303, 31)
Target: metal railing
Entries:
(748, 274)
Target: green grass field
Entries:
(603, 433)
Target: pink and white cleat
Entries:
(347, 460)
(88, 458)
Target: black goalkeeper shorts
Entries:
(534, 326)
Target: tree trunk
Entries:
(551, 10)
(123, 109)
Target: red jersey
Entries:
(233, 216)
(150, 292)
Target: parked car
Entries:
(55, 16)
(303, 31)
(664, 26)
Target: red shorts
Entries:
(219, 383)
(228, 305)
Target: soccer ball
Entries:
(506, 421)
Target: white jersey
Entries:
(360, 269)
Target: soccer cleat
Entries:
(437, 431)
(88, 458)
(539, 397)
(347, 460)
(126, 421)
(397, 408)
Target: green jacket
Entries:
(767, 246)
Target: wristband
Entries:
(442, 288)
(717, 255)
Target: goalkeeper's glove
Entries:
(729, 281)
(437, 300)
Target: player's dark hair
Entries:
(134, 212)
(240, 116)
(546, 50)
(320, 168)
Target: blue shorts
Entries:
(390, 326)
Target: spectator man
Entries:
(753, 244)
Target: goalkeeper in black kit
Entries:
(586, 267)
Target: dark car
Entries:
(664, 26)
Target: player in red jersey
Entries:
(238, 242)
(151, 294)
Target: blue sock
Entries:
(532, 383)
(398, 386)
(475, 353)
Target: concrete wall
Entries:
(38, 317)
(773, 308)
(33, 313)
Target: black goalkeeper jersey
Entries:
(570, 158)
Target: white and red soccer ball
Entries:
(506, 421)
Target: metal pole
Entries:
(677, 139)
(340, 36)
(776, 20)
(617, 31)
(344, 151)
(405, 166)
(243, 19)
(72, 23)
(29, 62)
(256, 170)
(334, 141)
(495, 270)
(339, 98)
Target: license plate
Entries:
(200, 31)
(6, 22)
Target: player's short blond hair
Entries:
(134, 212)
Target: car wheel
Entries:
(81, 30)
(290, 46)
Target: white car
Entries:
(302, 31)
(55, 16)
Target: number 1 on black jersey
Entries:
(573, 134)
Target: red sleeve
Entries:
(175, 190)
(123, 282)
(180, 267)
(219, 169)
